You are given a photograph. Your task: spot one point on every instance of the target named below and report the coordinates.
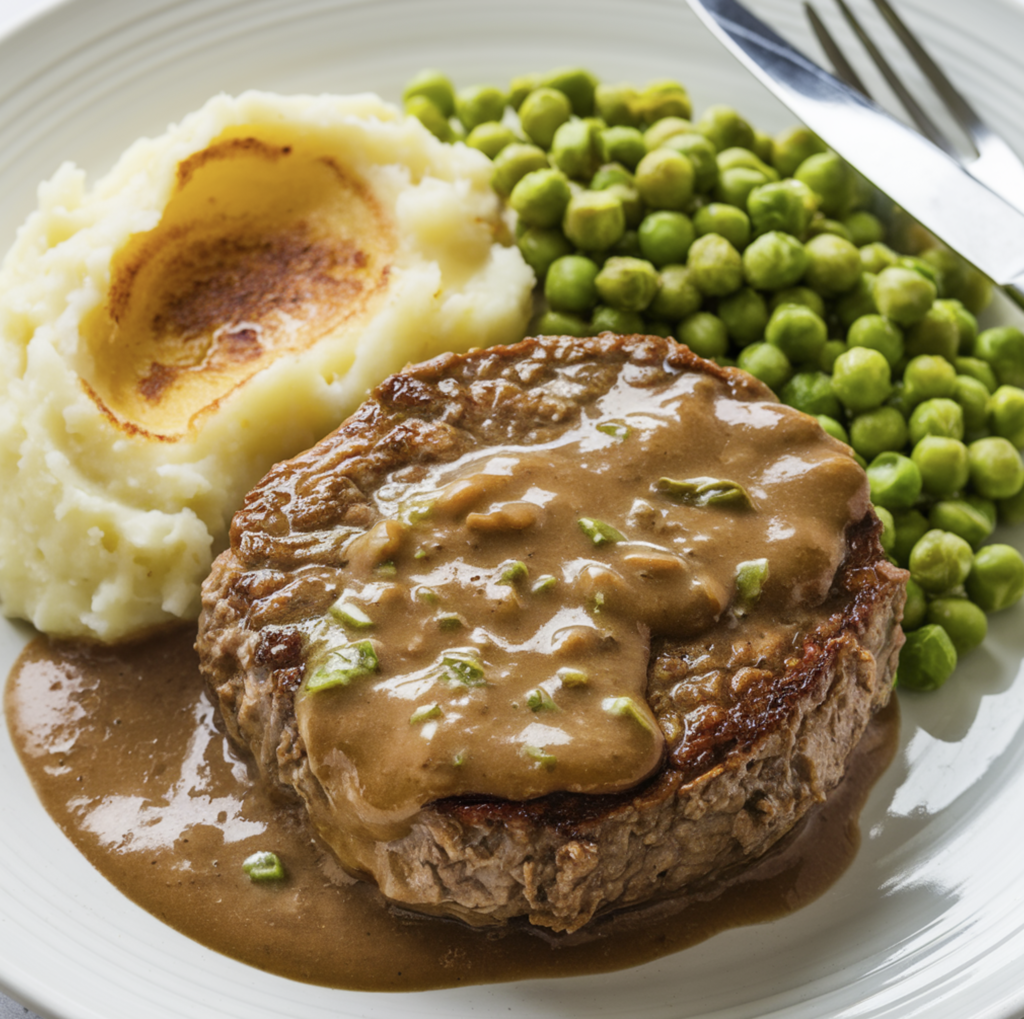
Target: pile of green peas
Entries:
(761, 252)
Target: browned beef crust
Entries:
(759, 729)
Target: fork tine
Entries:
(961, 110)
(924, 123)
(843, 67)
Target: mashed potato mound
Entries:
(220, 300)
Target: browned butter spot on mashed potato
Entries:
(263, 250)
(219, 300)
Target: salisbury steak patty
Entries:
(754, 672)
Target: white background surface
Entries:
(930, 919)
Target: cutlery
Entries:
(932, 187)
(992, 161)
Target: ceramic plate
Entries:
(930, 918)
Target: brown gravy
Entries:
(121, 746)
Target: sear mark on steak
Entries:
(757, 730)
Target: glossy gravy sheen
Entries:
(493, 633)
(121, 746)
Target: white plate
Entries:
(930, 918)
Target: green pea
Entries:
(513, 163)
(824, 225)
(577, 149)
(792, 146)
(996, 469)
(966, 325)
(659, 99)
(887, 535)
(726, 220)
(936, 333)
(798, 332)
(773, 261)
(737, 183)
(996, 580)
(781, 205)
(876, 256)
(763, 146)
(490, 138)
(594, 220)
(1006, 414)
(609, 174)
(877, 333)
(424, 110)
(832, 427)
(903, 294)
(704, 334)
(615, 104)
(738, 156)
(811, 392)
(541, 198)
(920, 266)
(857, 302)
(831, 178)
(833, 264)
(940, 561)
(655, 328)
(972, 397)
(767, 363)
(661, 130)
(725, 128)
(937, 417)
(744, 315)
(915, 611)
(926, 377)
(615, 320)
(927, 660)
(895, 481)
(632, 204)
(798, 295)
(665, 237)
(628, 284)
(943, 464)
(715, 265)
(862, 379)
(478, 104)
(700, 152)
(864, 227)
(881, 430)
(540, 248)
(677, 296)
(623, 145)
(436, 87)
(964, 518)
(665, 179)
(976, 292)
(563, 323)
(911, 526)
(570, 284)
(949, 269)
(962, 620)
(576, 84)
(542, 113)
(977, 369)
(520, 87)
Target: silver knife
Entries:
(974, 221)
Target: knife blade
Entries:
(921, 178)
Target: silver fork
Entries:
(993, 162)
